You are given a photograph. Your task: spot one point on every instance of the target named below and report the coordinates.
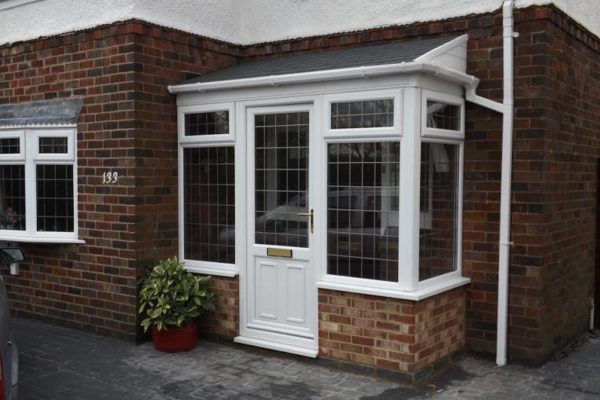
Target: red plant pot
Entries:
(175, 339)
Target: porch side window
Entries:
(439, 206)
(363, 185)
(37, 184)
(209, 207)
(207, 204)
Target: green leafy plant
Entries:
(171, 296)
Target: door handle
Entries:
(311, 215)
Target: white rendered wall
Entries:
(252, 21)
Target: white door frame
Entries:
(301, 343)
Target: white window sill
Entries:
(216, 269)
(40, 239)
(417, 295)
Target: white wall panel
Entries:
(252, 21)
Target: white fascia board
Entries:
(330, 75)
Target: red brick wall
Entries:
(571, 154)
(391, 334)
(128, 124)
(91, 285)
(163, 57)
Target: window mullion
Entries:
(410, 152)
(30, 184)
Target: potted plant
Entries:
(171, 300)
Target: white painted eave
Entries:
(330, 75)
(248, 22)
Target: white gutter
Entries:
(331, 75)
(506, 108)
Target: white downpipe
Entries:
(506, 108)
(505, 183)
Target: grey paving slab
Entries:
(60, 363)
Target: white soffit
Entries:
(252, 21)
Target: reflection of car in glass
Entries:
(366, 211)
(9, 361)
(362, 232)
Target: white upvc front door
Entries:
(279, 305)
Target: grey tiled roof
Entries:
(44, 112)
(368, 55)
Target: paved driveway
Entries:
(59, 363)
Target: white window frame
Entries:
(58, 133)
(203, 141)
(363, 133)
(16, 134)
(30, 159)
(410, 97)
(427, 132)
(206, 139)
(357, 135)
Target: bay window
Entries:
(387, 172)
(38, 185)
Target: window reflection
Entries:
(363, 218)
(437, 239)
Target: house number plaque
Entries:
(110, 177)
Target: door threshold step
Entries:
(301, 351)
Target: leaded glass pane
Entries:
(281, 178)
(363, 210)
(207, 123)
(53, 145)
(10, 146)
(437, 241)
(209, 204)
(54, 198)
(443, 116)
(12, 197)
(362, 114)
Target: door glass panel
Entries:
(281, 179)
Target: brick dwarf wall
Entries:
(390, 334)
(128, 125)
